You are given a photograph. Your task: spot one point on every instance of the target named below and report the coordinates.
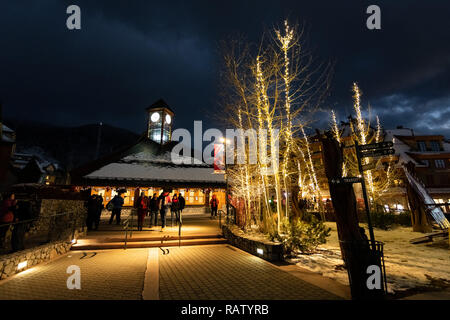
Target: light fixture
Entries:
(224, 140)
(155, 116)
(74, 241)
(168, 119)
(22, 265)
(259, 251)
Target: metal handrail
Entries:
(34, 219)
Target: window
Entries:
(440, 164)
(426, 163)
(421, 145)
(435, 145)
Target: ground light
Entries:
(260, 251)
(22, 265)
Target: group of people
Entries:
(94, 211)
(152, 206)
(16, 215)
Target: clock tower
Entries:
(160, 119)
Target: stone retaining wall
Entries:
(271, 251)
(9, 263)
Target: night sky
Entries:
(130, 53)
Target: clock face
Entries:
(168, 119)
(155, 116)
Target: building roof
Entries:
(146, 163)
(160, 104)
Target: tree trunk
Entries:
(419, 219)
(354, 247)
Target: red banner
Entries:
(219, 158)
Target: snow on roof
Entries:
(158, 172)
(166, 158)
(400, 147)
(7, 129)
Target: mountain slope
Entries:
(71, 146)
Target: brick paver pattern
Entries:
(223, 272)
(197, 272)
(115, 274)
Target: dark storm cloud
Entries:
(130, 53)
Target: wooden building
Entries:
(147, 166)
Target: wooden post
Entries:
(343, 198)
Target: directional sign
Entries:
(369, 166)
(345, 180)
(373, 146)
(377, 153)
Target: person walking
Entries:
(214, 206)
(7, 212)
(164, 206)
(142, 203)
(98, 210)
(182, 202)
(91, 205)
(154, 208)
(117, 203)
(175, 209)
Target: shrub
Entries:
(302, 236)
(403, 219)
(385, 220)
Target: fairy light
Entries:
(378, 135)
(308, 152)
(261, 87)
(285, 44)
(337, 135)
(361, 129)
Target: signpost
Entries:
(369, 151)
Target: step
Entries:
(159, 238)
(82, 245)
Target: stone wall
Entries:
(9, 263)
(271, 251)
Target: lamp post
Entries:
(225, 142)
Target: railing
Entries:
(128, 227)
(29, 233)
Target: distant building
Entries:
(146, 166)
(35, 168)
(430, 155)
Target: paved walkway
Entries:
(199, 224)
(114, 274)
(197, 272)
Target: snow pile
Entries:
(407, 265)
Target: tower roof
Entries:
(160, 104)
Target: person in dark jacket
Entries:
(182, 202)
(154, 207)
(91, 208)
(175, 209)
(7, 212)
(98, 210)
(117, 203)
(23, 213)
(164, 206)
